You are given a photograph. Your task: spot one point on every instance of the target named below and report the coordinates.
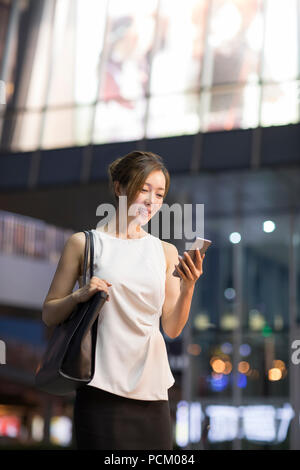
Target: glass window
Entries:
(89, 36)
(119, 120)
(4, 18)
(234, 42)
(281, 45)
(39, 73)
(26, 135)
(179, 47)
(230, 108)
(12, 67)
(82, 124)
(280, 104)
(173, 115)
(129, 41)
(22, 130)
(62, 78)
(167, 67)
(67, 127)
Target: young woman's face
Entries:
(151, 196)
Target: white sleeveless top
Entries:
(131, 356)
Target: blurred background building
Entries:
(213, 87)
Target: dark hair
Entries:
(132, 171)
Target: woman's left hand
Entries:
(191, 271)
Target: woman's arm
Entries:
(60, 300)
(179, 292)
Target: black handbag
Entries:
(69, 360)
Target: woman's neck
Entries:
(130, 230)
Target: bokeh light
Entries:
(235, 237)
(274, 374)
(269, 226)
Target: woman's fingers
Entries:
(106, 290)
(181, 274)
(189, 264)
(186, 268)
(103, 284)
(192, 268)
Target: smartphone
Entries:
(200, 243)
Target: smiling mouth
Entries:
(144, 211)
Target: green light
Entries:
(266, 331)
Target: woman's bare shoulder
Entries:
(170, 251)
(169, 246)
(78, 237)
(78, 240)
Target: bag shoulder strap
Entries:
(89, 245)
(91, 254)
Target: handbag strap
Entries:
(91, 254)
(89, 245)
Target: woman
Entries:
(126, 404)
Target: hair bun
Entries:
(112, 168)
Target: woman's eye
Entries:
(146, 190)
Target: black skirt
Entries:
(103, 420)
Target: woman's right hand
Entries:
(94, 285)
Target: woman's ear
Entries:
(119, 189)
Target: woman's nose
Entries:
(150, 198)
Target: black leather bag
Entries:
(69, 360)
